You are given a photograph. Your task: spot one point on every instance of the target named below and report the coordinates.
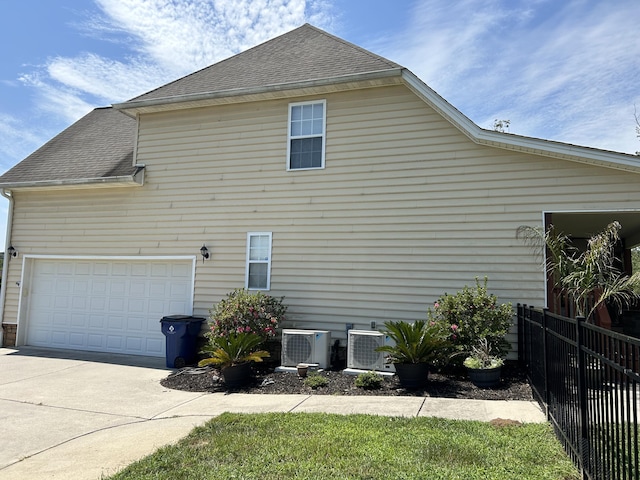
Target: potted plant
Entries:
(416, 347)
(483, 366)
(233, 353)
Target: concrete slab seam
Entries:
(45, 374)
(153, 417)
(44, 405)
(86, 434)
(424, 400)
(299, 403)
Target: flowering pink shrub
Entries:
(472, 314)
(247, 312)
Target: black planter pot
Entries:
(412, 375)
(236, 375)
(485, 377)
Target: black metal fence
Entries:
(586, 380)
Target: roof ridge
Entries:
(303, 31)
(224, 60)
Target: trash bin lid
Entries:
(182, 318)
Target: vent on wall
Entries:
(306, 346)
(361, 351)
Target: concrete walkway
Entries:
(67, 415)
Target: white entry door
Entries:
(105, 305)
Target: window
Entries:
(258, 274)
(306, 135)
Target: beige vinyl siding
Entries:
(406, 209)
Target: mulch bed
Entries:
(448, 384)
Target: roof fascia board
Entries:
(243, 92)
(508, 141)
(440, 105)
(135, 180)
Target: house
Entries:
(307, 167)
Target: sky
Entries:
(565, 70)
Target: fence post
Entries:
(520, 323)
(546, 362)
(582, 399)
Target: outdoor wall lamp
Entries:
(12, 251)
(204, 251)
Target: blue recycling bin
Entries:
(181, 333)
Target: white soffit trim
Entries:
(321, 86)
(508, 141)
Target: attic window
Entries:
(306, 135)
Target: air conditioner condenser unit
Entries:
(362, 354)
(306, 346)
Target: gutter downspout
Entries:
(5, 264)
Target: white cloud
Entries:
(166, 41)
(107, 80)
(560, 70)
(16, 140)
(57, 99)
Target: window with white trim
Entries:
(307, 122)
(258, 272)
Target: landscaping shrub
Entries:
(250, 312)
(473, 314)
(316, 380)
(369, 381)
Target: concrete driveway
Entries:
(81, 416)
(75, 415)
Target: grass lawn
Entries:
(325, 446)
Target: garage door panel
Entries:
(114, 342)
(101, 269)
(155, 347)
(115, 323)
(183, 271)
(118, 287)
(77, 340)
(59, 339)
(97, 304)
(78, 322)
(117, 305)
(60, 320)
(99, 287)
(78, 302)
(120, 270)
(112, 306)
(159, 309)
(139, 270)
(95, 342)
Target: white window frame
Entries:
(293, 137)
(266, 261)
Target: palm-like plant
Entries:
(592, 273)
(233, 349)
(417, 342)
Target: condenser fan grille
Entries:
(298, 348)
(364, 350)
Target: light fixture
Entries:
(204, 251)
(12, 251)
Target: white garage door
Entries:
(106, 305)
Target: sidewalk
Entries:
(77, 418)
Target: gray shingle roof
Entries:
(306, 53)
(99, 145)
